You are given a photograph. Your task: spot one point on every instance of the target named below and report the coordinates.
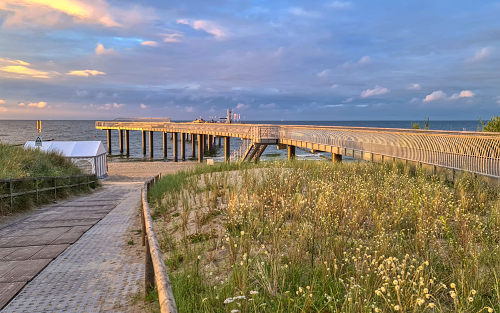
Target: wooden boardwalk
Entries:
(475, 152)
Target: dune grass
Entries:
(16, 162)
(323, 237)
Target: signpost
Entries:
(38, 141)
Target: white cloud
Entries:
(498, 100)
(149, 43)
(174, 37)
(462, 94)
(2, 101)
(21, 104)
(377, 91)
(242, 106)
(109, 106)
(85, 73)
(323, 73)
(100, 50)
(414, 86)
(340, 5)
(206, 26)
(348, 100)
(270, 105)
(364, 60)
(437, 95)
(334, 86)
(82, 93)
(480, 55)
(143, 106)
(20, 68)
(361, 105)
(303, 13)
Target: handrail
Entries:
(90, 179)
(155, 270)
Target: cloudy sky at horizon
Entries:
(267, 60)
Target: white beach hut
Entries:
(90, 156)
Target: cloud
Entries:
(242, 106)
(270, 105)
(206, 26)
(377, 91)
(149, 43)
(38, 105)
(189, 109)
(323, 73)
(85, 73)
(3, 109)
(52, 12)
(498, 100)
(462, 94)
(348, 100)
(15, 62)
(143, 106)
(109, 106)
(437, 95)
(24, 71)
(414, 86)
(82, 93)
(334, 86)
(303, 13)
(100, 50)
(2, 101)
(481, 55)
(361, 105)
(340, 5)
(174, 37)
(364, 60)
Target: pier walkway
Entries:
(81, 255)
(475, 152)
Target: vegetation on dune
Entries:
(16, 162)
(323, 237)
(492, 125)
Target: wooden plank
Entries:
(8, 291)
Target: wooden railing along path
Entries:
(155, 271)
(42, 184)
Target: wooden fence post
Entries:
(11, 189)
(149, 273)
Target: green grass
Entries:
(323, 237)
(16, 162)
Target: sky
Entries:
(266, 60)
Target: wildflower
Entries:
(395, 282)
(426, 290)
(490, 310)
(199, 257)
(431, 305)
(235, 311)
(452, 286)
(253, 292)
(242, 232)
(453, 294)
(470, 299)
(228, 300)
(396, 307)
(473, 292)
(378, 292)
(420, 301)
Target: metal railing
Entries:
(155, 272)
(238, 154)
(41, 185)
(476, 152)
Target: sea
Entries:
(17, 132)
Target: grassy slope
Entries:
(16, 162)
(322, 237)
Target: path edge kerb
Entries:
(154, 263)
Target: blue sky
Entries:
(267, 60)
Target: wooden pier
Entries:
(476, 152)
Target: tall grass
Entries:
(16, 162)
(322, 237)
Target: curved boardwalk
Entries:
(100, 271)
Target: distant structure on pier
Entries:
(145, 119)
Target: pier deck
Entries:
(475, 152)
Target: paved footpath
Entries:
(95, 274)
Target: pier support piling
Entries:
(143, 143)
(336, 157)
(201, 141)
(175, 146)
(210, 141)
(151, 145)
(227, 150)
(183, 146)
(127, 142)
(291, 152)
(120, 140)
(165, 146)
(219, 141)
(108, 131)
(193, 146)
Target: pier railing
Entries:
(155, 271)
(477, 152)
